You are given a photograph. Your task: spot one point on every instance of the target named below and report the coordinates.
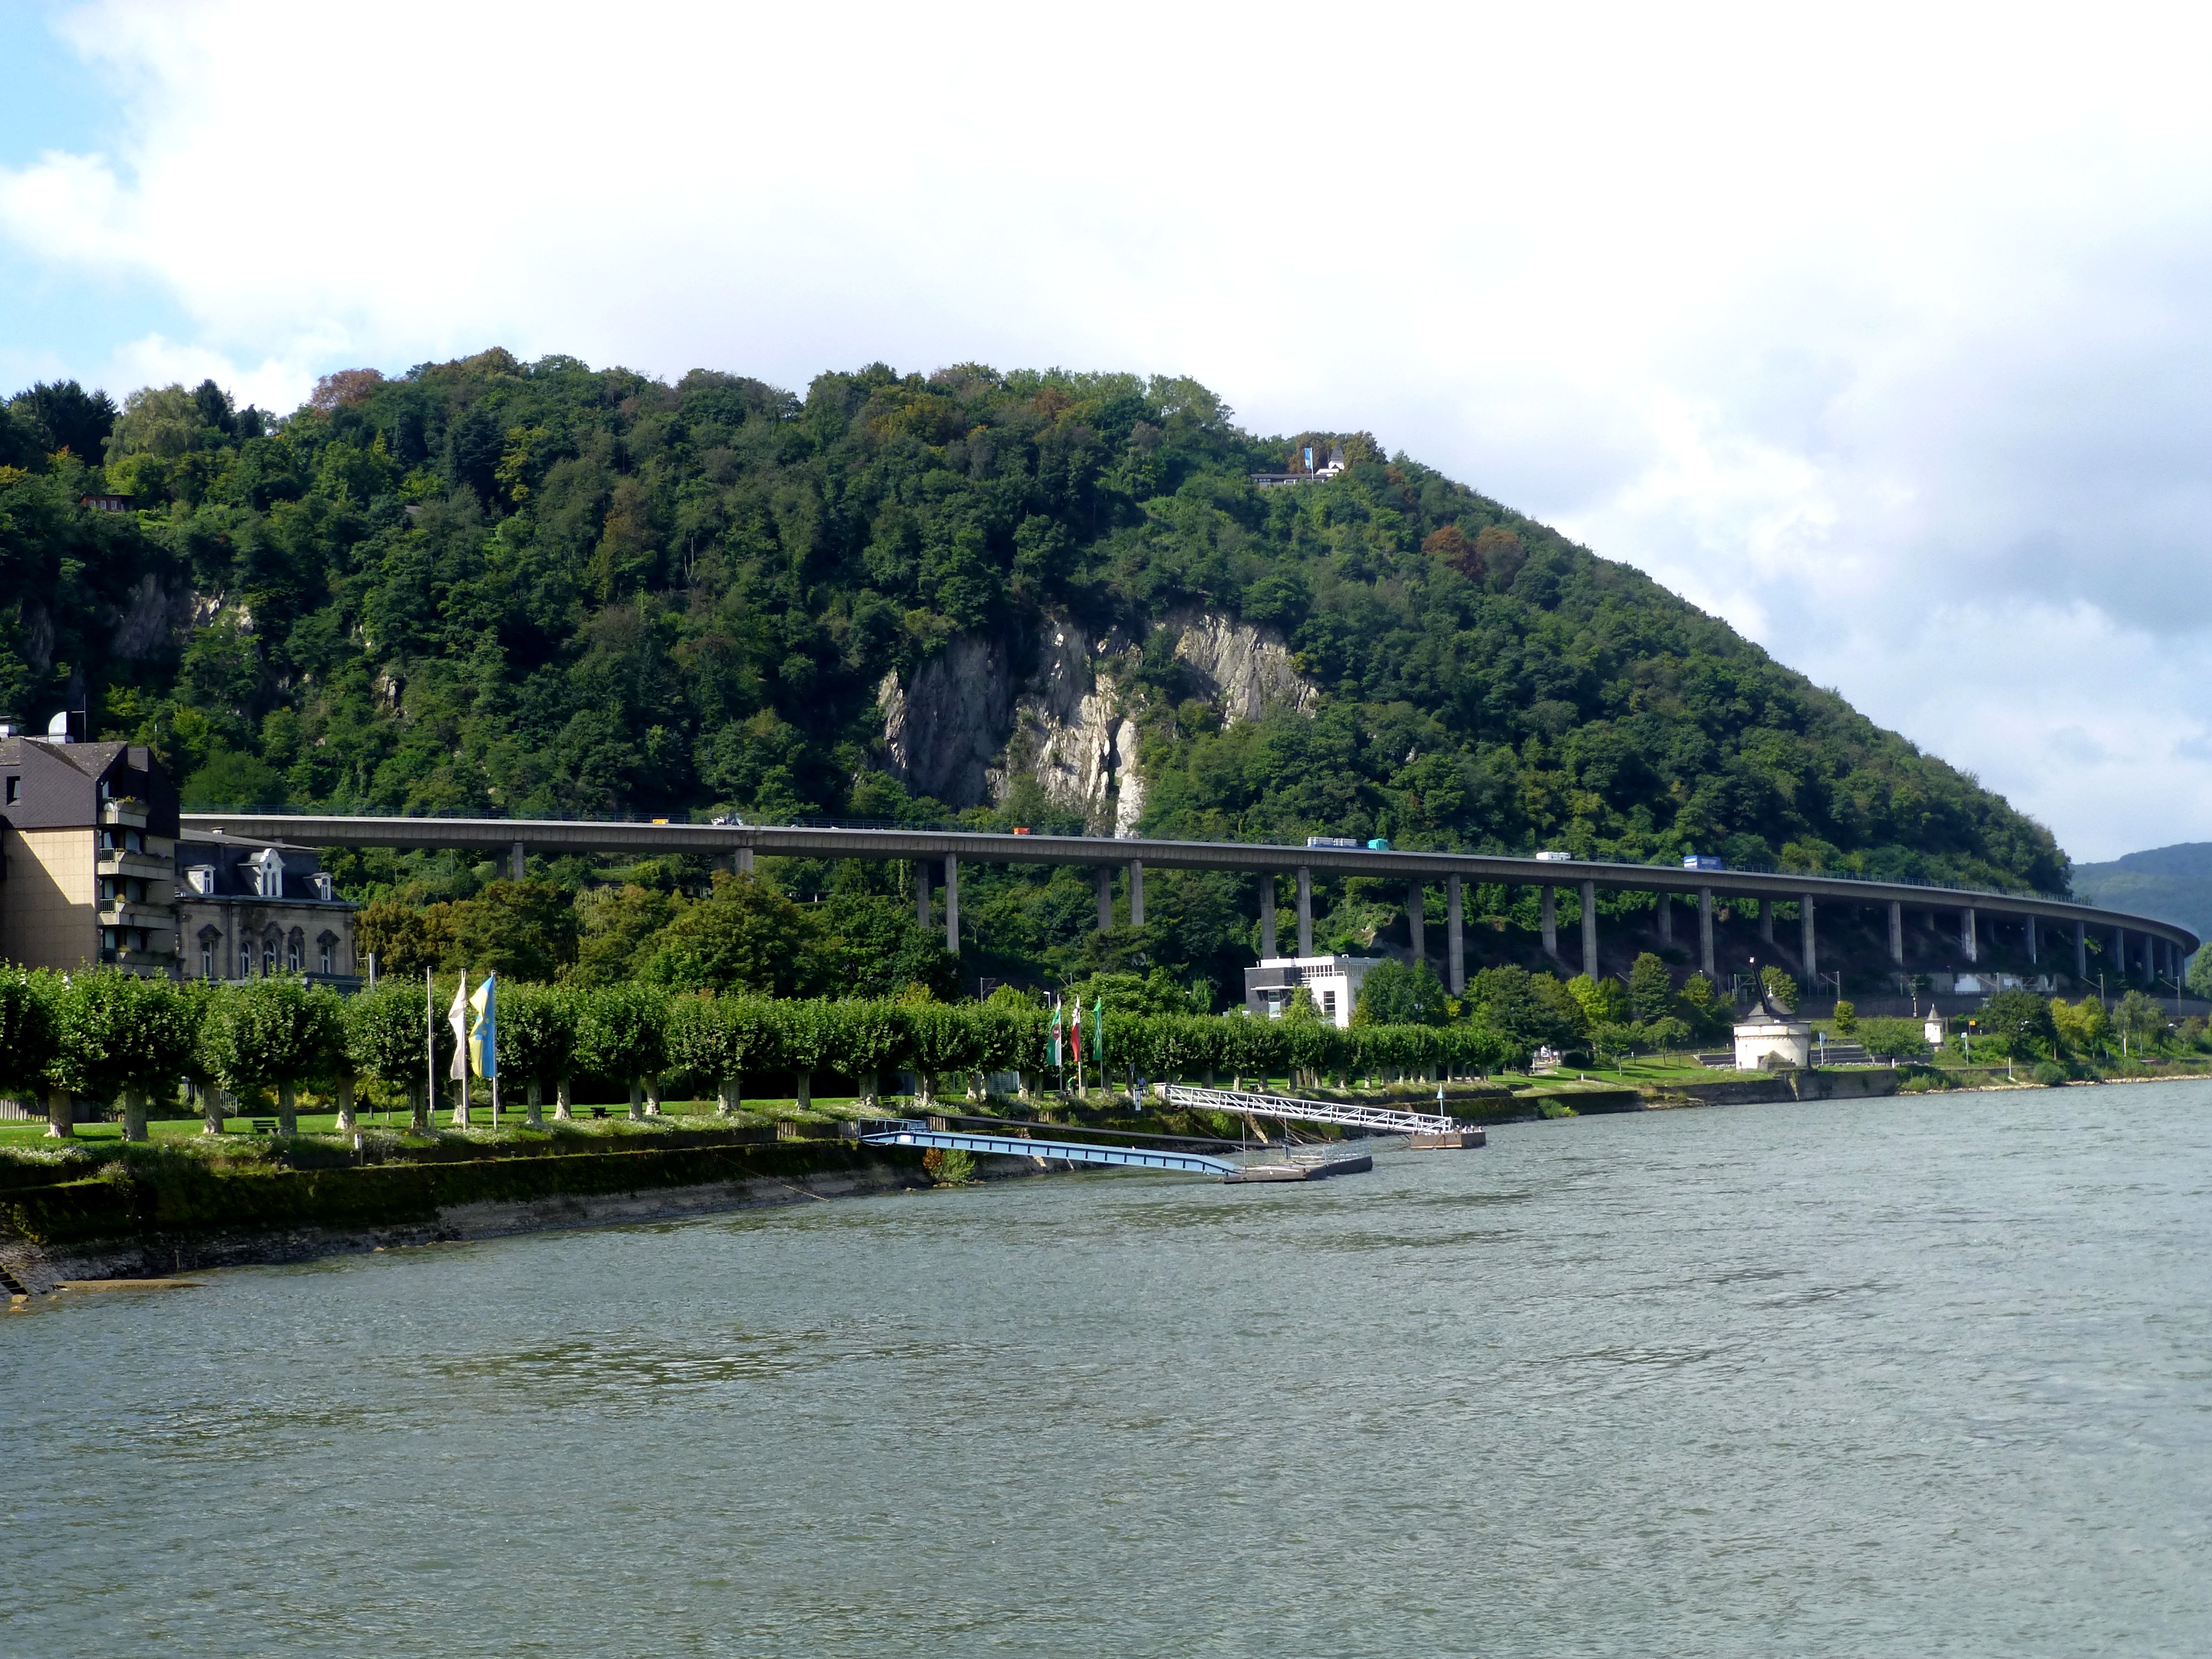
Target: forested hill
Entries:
(488, 585)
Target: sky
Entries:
(1885, 334)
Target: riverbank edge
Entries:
(108, 1229)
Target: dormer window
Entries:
(201, 877)
(268, 874)
(323, 891)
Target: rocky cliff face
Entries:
(965, 732)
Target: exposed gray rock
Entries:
(151, 620)
(1247, 670)
(964, 731)
(942, 732)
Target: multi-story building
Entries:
(88, 832)
(248, 908)
(1334, 982)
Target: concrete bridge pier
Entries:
(2032, 941)
(1104, 877)
(1268, 916)
(2120, 950)
(1551, 918)
(921, 893)
(515, 865)
(952, 902)
(1666, 918)
(1897, 932)
(1967, 947)
(1416, 921)
(1812, 963)
(1766, 921)
(1136, 892)
(1305, 911)
(1454, 946)
(2081, 955)
(1705, 932)
(1589, 928)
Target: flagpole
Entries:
(430, 1043)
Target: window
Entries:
(1328, 1003)
(245, 959)
(15, 789)
(327, 952)
(207, 960)
(133, 842)
(269, 947)
(295, 951)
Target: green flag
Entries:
(1099, 1034)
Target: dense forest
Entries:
(489, 586)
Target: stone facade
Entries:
(249, 908)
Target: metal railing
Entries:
(1384, 1119)
(915, 1131)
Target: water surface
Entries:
(1914, 1376)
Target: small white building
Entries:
(1770, 1036)
(1333, 981)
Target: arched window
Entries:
(211, 951)
(327, 952)
(295, 951)
(272, 944)
(245, 959)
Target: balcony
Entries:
(124, 810)
(126, 913)
(151, 866)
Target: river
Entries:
(1912, 1377)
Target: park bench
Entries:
(264, 1126)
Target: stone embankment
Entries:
(165, 1213)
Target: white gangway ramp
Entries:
(1382, 1120)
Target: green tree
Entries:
(1780, 986)
(1846, 1017)
(30, 1043)
(277, 1033)
(2139, 1020)
(392, 1034)
(2022, 1019)
(621, 1035)
(874, 1034)
(1650, 988)
(519, 930)
(537, 1044)
(1395, 994)
(1893, 1039)
(1603, 1002)
(1702, 1006)
(124, 1035)
(745, 938)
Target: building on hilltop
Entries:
(87, 831)
(1307, 474)
(1334, 981)
(248, 908)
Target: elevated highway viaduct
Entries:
(2141, 944)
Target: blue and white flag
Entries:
(483, 1038)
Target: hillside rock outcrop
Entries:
(964, 730)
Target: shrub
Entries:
(2050, 1073)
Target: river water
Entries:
(1896, 1377)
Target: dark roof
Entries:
(1766, 1009)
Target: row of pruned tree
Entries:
(116, 1038)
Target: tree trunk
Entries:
(637, 1100)
(533, 1101)
(418, 1108)
(288, 1109)
(134, 1115)
(926, 1082)
(347, 1123)
(871, 1091)
(61, 1114)
(561, 1114)
(211, 1110)
(803, 1090)
(726, 1097)
(653, 1096)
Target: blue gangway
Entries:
(914, 1132)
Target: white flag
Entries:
(458, 1018)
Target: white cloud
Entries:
(1883, 335)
